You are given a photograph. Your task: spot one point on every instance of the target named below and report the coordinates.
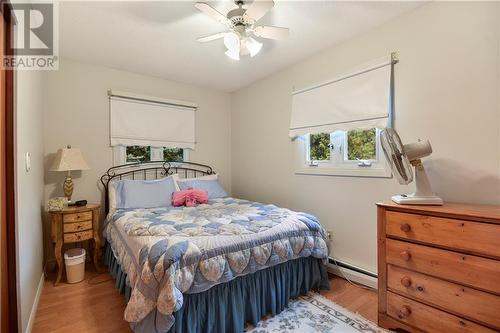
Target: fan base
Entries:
(410, 199)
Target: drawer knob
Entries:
(405, 311)
(405, 255)
(406, 281)
(405, 227)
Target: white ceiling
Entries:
(159, 38)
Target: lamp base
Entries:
(68, 187)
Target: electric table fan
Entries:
(401, 158)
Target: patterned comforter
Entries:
(167, 252)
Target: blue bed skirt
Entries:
(229, 306)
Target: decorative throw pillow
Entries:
(190, 197)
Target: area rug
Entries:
(314, 313)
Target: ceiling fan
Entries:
(241, 23)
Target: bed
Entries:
(209, 268)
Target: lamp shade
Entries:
(68, 159)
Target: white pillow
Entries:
(208, 183)
(140, 193)
(112, 191)
(178, 179)
(111, 195)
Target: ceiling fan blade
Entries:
(210, 11)
(271, 32)
(211, 37)
(227, 6)
(258, 9)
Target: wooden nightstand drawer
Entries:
(78, 226)
(77, 217)
(480, 238)
(78, 236)
(427, 318)
(477, 272)
(467, 302)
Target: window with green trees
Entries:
(342, 153)
(362, 144)
(147, 153)
(343, 146)
(319, 147)
(138, 154)
(173, 154)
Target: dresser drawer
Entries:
(77, 217)
(467, 302)
(480, 238)
(78, 236)
(477, 272)
(427, 318)
(77, 226)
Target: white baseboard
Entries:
(352, 275)
(34, 307)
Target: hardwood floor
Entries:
(81, 307)
(352, 297)
(98, 307)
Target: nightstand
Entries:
(73, 225)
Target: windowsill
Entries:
(345, 172)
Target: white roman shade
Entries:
(358, 100)
(149, 121)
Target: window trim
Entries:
(338, 165)
(120, 155)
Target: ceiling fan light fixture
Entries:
(253, 46)
(241, 24)
(233, 53)
(232, 41)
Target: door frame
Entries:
(10, 322)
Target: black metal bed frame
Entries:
(152, 170)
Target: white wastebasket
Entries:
(75, 265)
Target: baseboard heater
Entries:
(354, 273)
(351, 267)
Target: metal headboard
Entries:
(152, 170)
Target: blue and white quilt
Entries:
(167, 252)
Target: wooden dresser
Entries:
(439, 268)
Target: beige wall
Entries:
(77, 113)
(29, 192)
(446, 90)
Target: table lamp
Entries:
(68, 159)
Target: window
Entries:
(351, 153)
(319, 147)
(173, 154)
(133, 154)
(362, 145)
(137, 154)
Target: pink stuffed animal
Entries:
(190, 197)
